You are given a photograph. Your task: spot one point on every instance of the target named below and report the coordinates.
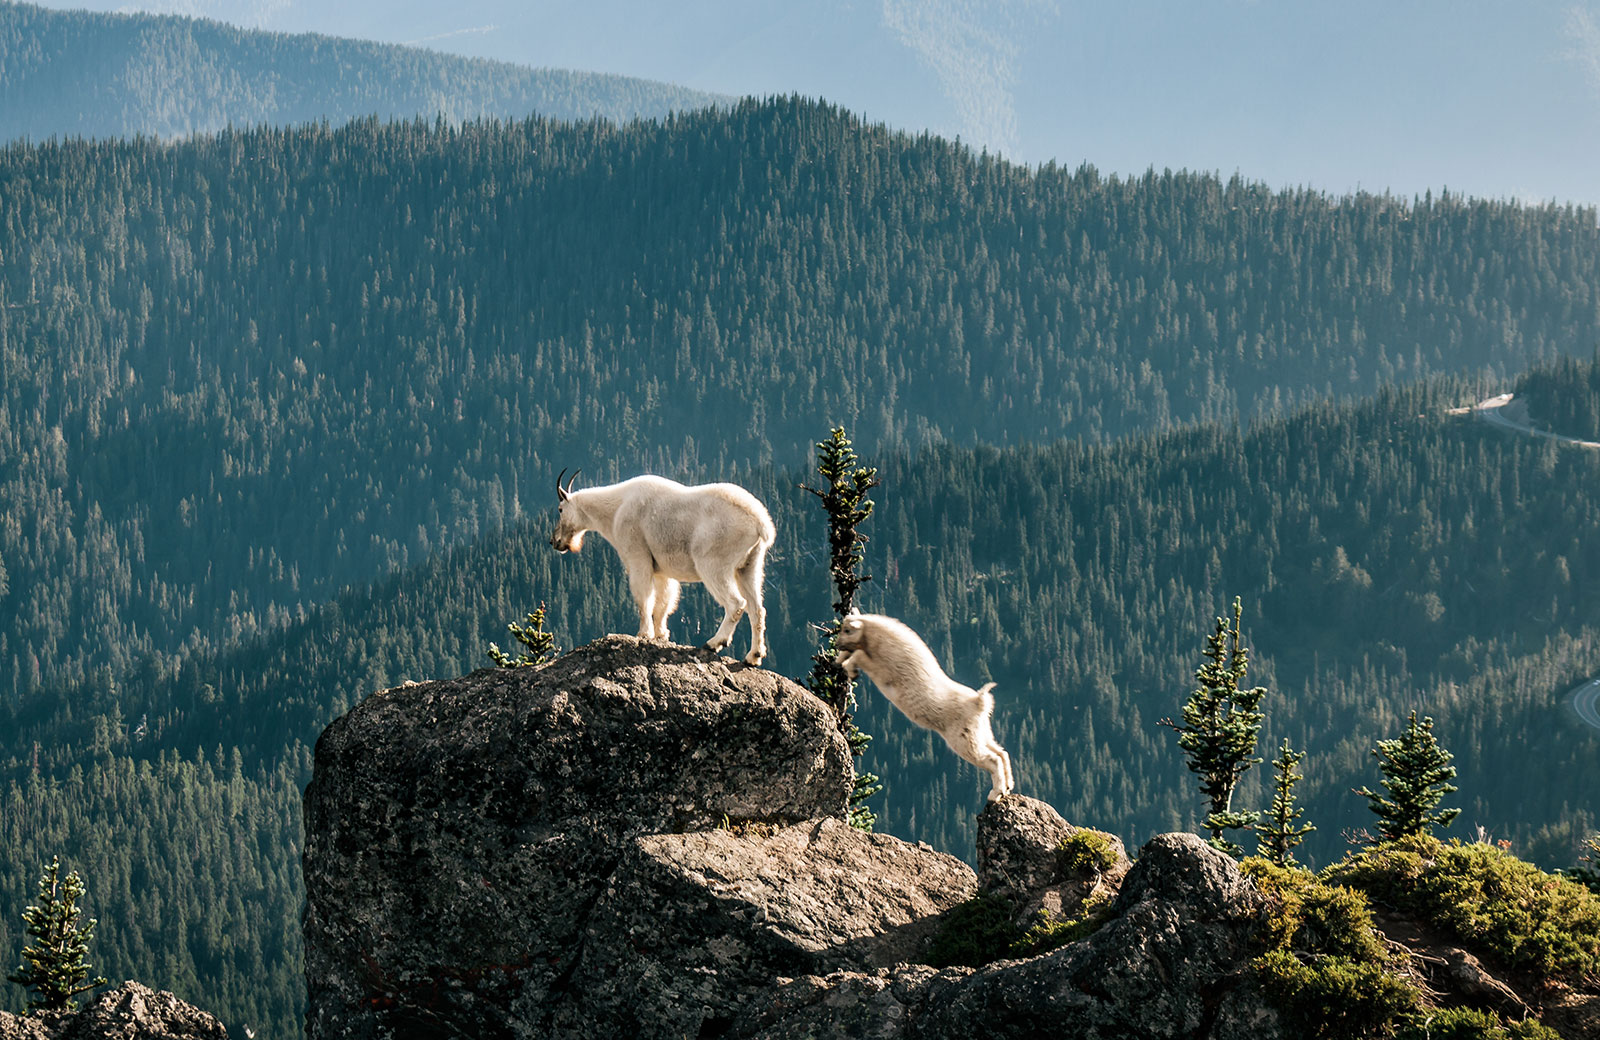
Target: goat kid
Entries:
(902, 666)
(667, 533)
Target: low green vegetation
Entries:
(1049, 932)
(1528, 920)
(974, 933)
(1467, 1024)
(1331, 976)
(1325, 969)
(981, 930)
(1086, 851)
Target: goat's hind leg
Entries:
(725, 591)
(749, 579)
(978, 746)
(1004, 781)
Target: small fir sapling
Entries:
(1220, 728)
(844, 499)
(538, 646)
(55, 963)
(1417, 774)
(1278, 832)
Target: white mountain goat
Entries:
(667, 533)
(903, 667)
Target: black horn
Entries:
(573, 480)
(561, 492)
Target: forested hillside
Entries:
(1564, 397)
(1390, 558)
(281, 409)
(85, 74)
(323, 354)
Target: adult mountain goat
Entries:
(902, 666)
(667, 533)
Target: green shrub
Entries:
(974, 933)
(1313, 917)
(1529, 920)
(1333, 998)
(1050, 933)
(1466, 1024)
(1326, 970)
(1086, 851)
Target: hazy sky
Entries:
(1498, 99)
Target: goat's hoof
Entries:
(754, 659)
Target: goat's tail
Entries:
(986, 695)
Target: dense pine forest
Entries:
(85, 74)
(323, 354)
(280, 413)
(1564, 397)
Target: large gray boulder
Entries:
(1171, 962)
(692, 925)
(541, 852)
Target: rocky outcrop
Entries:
(1023, 856)
(644, 841)
(129, 1012)
(1169, 963)
(629, 840)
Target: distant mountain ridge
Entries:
(82, 73)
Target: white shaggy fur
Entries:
(902, 666)
(667, 533)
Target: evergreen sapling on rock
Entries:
(538, 646)
(1417, 774)
(55, 964)
(1220, 728)
(1279, 832)
(844, 498)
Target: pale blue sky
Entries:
(1499, 99)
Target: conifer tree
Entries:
(55, 963)
(1279, 833)
(1220, 728)
(1417, 774)
(844, 498)
(538, 646)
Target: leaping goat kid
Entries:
(667, 533)
(902, 666)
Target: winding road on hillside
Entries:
(1507, 414)
(1586, 702)
(1500, 411)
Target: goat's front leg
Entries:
(643, 584)
(666, 602)
(850, 661)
